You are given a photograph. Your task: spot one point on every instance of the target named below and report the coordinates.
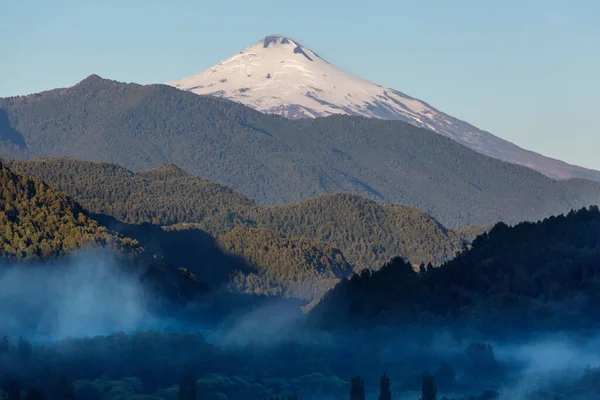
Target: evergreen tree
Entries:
(187, 386)
(429, 390)
(357, 388)
(384, 389)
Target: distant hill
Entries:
(163, 196)
(532, 277)
(274, 160)
(368, 233)
(285, 266)
(39, 223)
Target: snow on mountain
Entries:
(277, 75)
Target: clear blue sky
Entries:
(527, 70)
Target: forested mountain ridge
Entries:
(285, 266)
(38, 222)
(274, 160)
(165, 195)
(368, 233)
(531, 277)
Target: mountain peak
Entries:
(95, 82)
(92, 79)
(274, 39)
(275, 42)
(277, 75)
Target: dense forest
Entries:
(277, 161)
(169, 366)
(38, 222)
(39, 225)
(289, 267)
(366, 232)
(531, 277)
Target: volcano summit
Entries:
(277, 75)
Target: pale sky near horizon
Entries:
(527, 70)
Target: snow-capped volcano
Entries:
(277, 75)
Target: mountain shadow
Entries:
(191, 249)
(8, 133)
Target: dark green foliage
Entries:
(530, 277)
(385, 393)
(274, 160)
(37, 221)
(357, 388)
(306, 270)
(285, 266)
(366, 232)
(470, 233)
(162, 196)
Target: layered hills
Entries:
(367, 233)
(532, 277)
(39, 224)
(274, 160)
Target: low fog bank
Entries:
(91, 298)
(89, 293)
(94, 292)
(553, 363)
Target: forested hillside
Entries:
(273, 160)
(163, 196)
(285, 266)
(368, 233)
(532, 277)
(38, 222)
